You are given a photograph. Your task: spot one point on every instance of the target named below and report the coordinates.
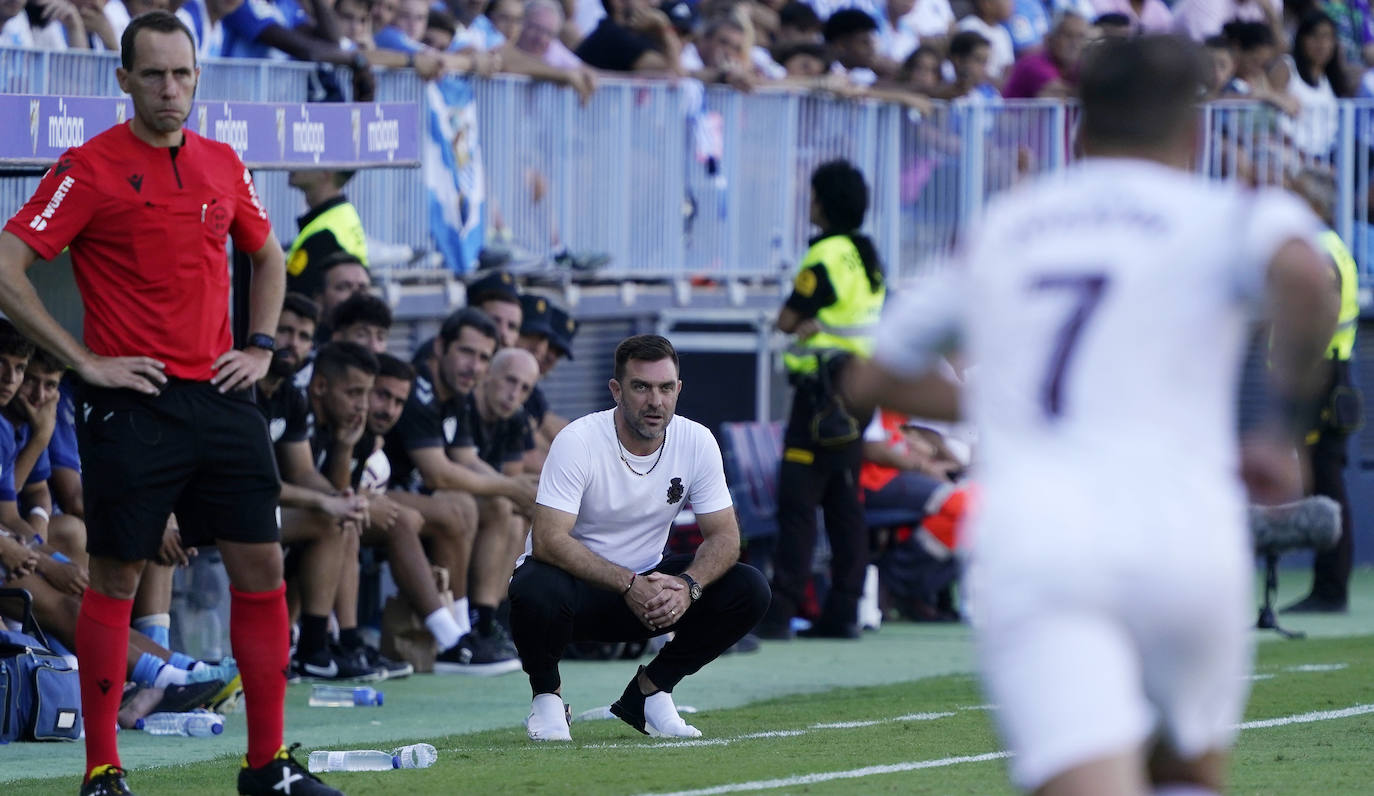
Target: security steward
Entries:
(836, 302)
(1327, 442)
(332, 225)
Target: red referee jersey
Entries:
(147, 228)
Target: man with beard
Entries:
(594, 568)
(431, 451)
(296, 328)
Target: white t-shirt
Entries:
(623, 517)
(1001, 55)
(1107, 311)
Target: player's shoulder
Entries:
(590, 427)
(691, 431)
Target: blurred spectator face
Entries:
(342, 399)
(536, 344)
(512, 377)
(993, 10)
(410, 19)
(1223, 66)
(507, 17)
(507, 317)
(384, 404)
(383, 11)
(972, 69)
(1319, 45)
(295, 337)
(354, 21)
(804, 64)
(540, 29)
(924, 75)
(856, 51)
(464, 362)
(549, 359)
(437, 38)
(1067, 40)
(40, 385)
(723, 46)
(466, 10)
(340, 282)
(367, 335)
(1253, 61)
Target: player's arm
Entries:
(29, 455)
(1303, 311)
(237, 369)
(552, 542)
(36, 496)
(65, 487)
(719, 549)
(15, 524)
(441, 472)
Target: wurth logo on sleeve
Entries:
(40, 221)
(253, 194)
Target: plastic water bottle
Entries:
(356, 760)
(200, 724)
(344, 696)
(416, 755)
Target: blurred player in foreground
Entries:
(1107, 312)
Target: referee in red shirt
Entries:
(166, 419)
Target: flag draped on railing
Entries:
(452, 164)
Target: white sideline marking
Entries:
(812, 779)
(1318, 667)
(1308, 718)
(1260, 677)
(848, 725)
(868, 771)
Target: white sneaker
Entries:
(661, 718)
(548, 719)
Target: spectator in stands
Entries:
(920, 72)
(440, 28)
(259, 29)
(105, 21)
(1114, 25)
(407, 27)
(1198, 19)
(633, 37)
(363, 319)
(897, 36)
(1253, 48)
(850, 36)
(803, 59)
(204, 18)
(506, 17)
(1223, 65)
(1354, 22)
(797, 22)
(496, 295)
(987, 21)
(1053, 71)
(383, 13)
(1317, 79)
(330, 226)
(720, 55)
(44, 25)
(539, 35)
(355, 23)
(1028, 25)
(969, 54)
(1145, 16)
(296, 329)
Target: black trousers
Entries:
(549, 608)
(1331, 568)
(830, 480)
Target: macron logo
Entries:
(40, 221)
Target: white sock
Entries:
(461, 616)
(547, 720)
(661, 718)
(444, 628)
(169, 675)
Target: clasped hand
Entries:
(658, 600)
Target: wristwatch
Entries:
(264, 341)
(693, 588)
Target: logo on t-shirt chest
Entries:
(217, 219)
(675, 490)
(450, 429)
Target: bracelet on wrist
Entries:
(40, 511)
(629, 585)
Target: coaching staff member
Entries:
(595, 571)
(166, 415)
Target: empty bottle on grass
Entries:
(199, 724)
(344, 696)
(416, 755)
(354, 760)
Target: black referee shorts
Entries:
(191, 450)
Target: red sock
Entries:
(102, 642)
(261, 636)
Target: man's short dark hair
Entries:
(645, 348)
(440, 19)
(361, 308)
(467, 316)
(965, 42)
(337, 259)
(1140, 92)
(787, 52)
(847, 22)
(12, 343)
(395, 368)
(333, 360)
(44, 360)
(1112, 19)
(1248, 35)
(159, 21)
(297, 304)
(842, 193)
(800, 16)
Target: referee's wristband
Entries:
(629, 585)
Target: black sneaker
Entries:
(282, 777)
(185, 698)
(391, 670)
(108, 782)
(332, 664)
(480, 655)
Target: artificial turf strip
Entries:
(608, 758)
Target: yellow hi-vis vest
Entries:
(342, 220)
(1343, 342)
(849, 323)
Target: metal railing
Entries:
(678, 180)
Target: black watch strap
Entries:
(259, 340)
(693, 588)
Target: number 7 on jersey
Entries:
(1087, 290)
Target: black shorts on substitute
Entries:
(190, 450)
